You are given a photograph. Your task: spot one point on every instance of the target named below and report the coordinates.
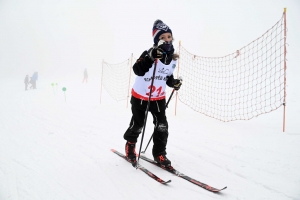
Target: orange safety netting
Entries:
(239, 86)
(115, 79)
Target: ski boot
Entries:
(130, 153)
(163, 161)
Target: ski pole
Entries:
(180, 78)
(170, 98)
(146, 113)
(152, 133)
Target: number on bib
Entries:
(155, 90)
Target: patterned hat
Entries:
(159, 28)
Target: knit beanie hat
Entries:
(159, 28)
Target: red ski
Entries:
(179, 174)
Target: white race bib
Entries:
(142, 84)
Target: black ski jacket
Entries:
(140, 67)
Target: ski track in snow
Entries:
(52, 149)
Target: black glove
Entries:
(176, 84)
(155, 53)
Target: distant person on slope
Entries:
(26, 81)
(85, 76)
(162, 52)
(34, 78)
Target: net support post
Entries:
(130, 69)
(284, 98)
(178, 65)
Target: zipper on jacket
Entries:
(141, 101)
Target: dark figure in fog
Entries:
(26, 81)
(85, 76)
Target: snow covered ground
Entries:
(57, 148)
(52, 148)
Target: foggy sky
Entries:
(61, 37)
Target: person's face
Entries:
(167, 37)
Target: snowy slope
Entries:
(56, 149)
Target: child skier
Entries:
(162, 56)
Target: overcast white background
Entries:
(52, 149)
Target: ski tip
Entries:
(219, 189)
(224, 188)
(113, 150)
(166, 182)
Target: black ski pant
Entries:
(160, 134)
